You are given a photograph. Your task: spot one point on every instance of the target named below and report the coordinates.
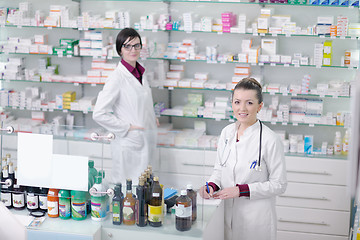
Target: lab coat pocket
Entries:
(134, 139)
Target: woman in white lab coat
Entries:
(249, 190)
(125, 107)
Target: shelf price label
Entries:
(218, 119)
(273, 122)
(171, 88)
(284, 123)
(155, 30)
(274, 34)
(51, 109)
(231, 120)
(261, 64)
(255, 34)
(262, 34)
(60, 54)
(311, 125)
(288, 35)
(322, 36)
(19, 26)
(76, 84)
(273, 64)
(65, 110)
(69, 56)
(49, 28)
(286, 65)
(93, 84)
(220, 33)
(295, 124)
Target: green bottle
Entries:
(117, 207)
(64, 204)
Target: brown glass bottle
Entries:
(141, 206)
(129, 205)
(183, 212)
(192, 195)
(155, 215)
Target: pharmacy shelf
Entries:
(267, 93)
(212, 32)
(44, 109)
(203, 61)
(72, 83)
(271, 122)
(229, 2)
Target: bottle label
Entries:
(129, 212)
(155, 213)
(98, 209)
(156, 194)
(53, 207)
(116, 211)
(18, 200)
(6, 199)
(182, 211)
(32, 201)
(43, 202)
(64, 208)
(337, 148)
(345, 147)
(78, 209)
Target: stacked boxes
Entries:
(305, 84)
(188, 22)
(175, 74)
(13, 69)
(342, 26)
(228, 20)
(351, 58)
(206, 24)
(318, 54)
(93, 43)
(67, 98)
(327, 56)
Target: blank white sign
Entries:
(34, 159)
(39, 167)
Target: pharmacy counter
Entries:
(209, 226)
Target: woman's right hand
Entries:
(204, 194)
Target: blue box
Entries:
(308, 144)
(354, 3)
(323, 2)
(313, 2)
(344, 2)
(333, 2)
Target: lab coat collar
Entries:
(249, 130)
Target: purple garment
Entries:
(137, 71)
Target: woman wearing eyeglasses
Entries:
(125, 107)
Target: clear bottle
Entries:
(337, 143)
(192, 195)
(5, 191)
(345, 143)
(117, 207)
(155, 213)
(141, 207)
(129, 205)
(43, 199)
(183, 212)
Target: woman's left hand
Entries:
(227, 193)
(157, 122)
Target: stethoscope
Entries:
(256, 163)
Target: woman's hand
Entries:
(204, 194)
(157, 122)
(227, 193)
(134, 127)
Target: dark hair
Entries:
(123, 36)
(249, 84)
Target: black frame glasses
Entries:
(136, 46)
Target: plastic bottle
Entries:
(53, 202)
(183, 212)
(92, 171)
(5, 191)
(117, 208)
(43, 199)
(337, 143)
(64, 204)
(140, 206)
(155, 213)
(105, 184)
(98, 201)
(192, 195)
(129, 205)
(18, 195)
(345, 144)
(78, 205)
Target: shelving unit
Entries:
(223, 70)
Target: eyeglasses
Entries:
(136, 46)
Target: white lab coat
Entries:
(124, 101)
(251, 218)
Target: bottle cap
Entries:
(189, 186)
(156, 178)
(91, 163)
(80, 195)
(98, 180)
(183, 192)
(101, 173)
(64, 193)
